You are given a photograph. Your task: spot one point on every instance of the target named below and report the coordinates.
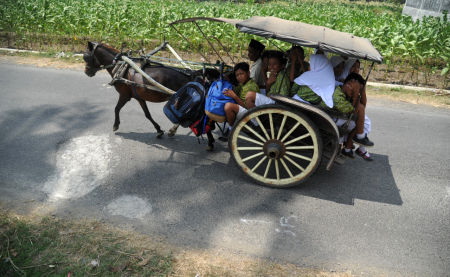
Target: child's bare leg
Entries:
(359, 128)
(231, 110)
(250, 99)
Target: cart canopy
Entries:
(303, 34)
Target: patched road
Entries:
(390, 217)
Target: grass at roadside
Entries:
(425, 97)
(46, 246)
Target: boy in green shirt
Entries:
(246, 84)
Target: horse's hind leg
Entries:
(173, 130)
(211, 140)
(123, 99)
(149, 117)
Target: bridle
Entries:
(89, 55)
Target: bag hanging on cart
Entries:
(202, 126)
(186, 106)
(216, 100)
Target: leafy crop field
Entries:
(414, 47)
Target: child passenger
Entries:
(338, 67)
(277, 82)
(351, 65)
(317, 87)
(352, 89)
(246, 85)
(297, 64)
(255, 49)
(316, 84)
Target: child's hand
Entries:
(229, 93)
(272, 78)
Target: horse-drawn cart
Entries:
(293, 137)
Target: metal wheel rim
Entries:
(287, 161)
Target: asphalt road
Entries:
(390, 217)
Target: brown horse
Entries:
(100, 56)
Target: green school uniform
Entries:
(282, 85)
(340, 101)
(243, 89)
(305, 93)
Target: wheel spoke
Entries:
(250, 148)
(251, 140)
(253, 156)
(277, 169)
(259, 163)
(294, 163)
(285, 167)
(299, 147)
(297, 139)
(290, 132)
(255, 133)
(267, 168)
(262, 127)
(271, 126)
(281, 127)
(298, 156)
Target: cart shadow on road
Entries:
(356, 179)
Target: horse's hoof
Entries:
(171, 134)
(115, 128)
(210, 148)
(160, 134)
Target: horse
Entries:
(100, 56)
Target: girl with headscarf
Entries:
(351, 65)
(316, 85)
(338, 67)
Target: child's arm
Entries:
(301, 58)
(340, 102)
(232, 94)
(293, 62)
(364, 97)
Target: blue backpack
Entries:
(186, 106)
(216, 100)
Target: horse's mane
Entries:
(109, 47)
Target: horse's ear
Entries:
(90, 46)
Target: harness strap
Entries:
(134, 89)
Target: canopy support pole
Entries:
(228, 53)
(208, 41)
(274, 44)
(193, 46)
(177, 56)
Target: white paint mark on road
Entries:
(286, 231)
(129, 206)
(448, 191)
(81, 165)
(284, 223)
(247, 221)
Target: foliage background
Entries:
(138, 24)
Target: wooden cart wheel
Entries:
(282, 151)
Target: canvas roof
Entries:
(303, 34)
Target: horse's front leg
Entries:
(123, 99)
(143, 104)
(173, 130)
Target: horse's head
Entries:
(98, 56)
(92, 64)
